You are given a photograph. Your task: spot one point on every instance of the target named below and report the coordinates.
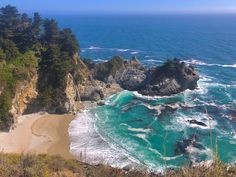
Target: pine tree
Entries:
(36, 25)
(51, 32)
(9, 22)
(68, 42)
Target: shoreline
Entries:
(39, 134)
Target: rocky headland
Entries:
(91, 81)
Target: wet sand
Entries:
(37, 133)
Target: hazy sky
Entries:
(124, 6)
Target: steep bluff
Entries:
(25, 92)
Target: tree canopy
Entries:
(28, 43)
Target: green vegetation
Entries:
(30, 45)
(106, 69)
(172, 66)
(14, 165)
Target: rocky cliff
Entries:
(172, 77)
(94, 81)
(67, 97)
(25, 93)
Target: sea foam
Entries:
(89, 146)
(198, 62)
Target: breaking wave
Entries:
(89, 146)
(198, 62)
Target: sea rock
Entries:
(101, 103)
(172, 77)
(106, 71)
(130, 78)
(181, 146)
(233, 115)
(197, 123)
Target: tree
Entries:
(68, 42)
(9, 48)
(2, 55)
(54, 66)
(9, 22)
(36, 25)
(25, 38)
(51, 32)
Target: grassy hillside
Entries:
(15, 165)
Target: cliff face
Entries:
(68, 96)
(25, 92)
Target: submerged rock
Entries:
(197, 123)
(101, 103)
(182, 146)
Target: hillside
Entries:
(12, 165)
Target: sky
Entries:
(124, 6)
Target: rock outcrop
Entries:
(66, 102)
(94, 90)
(172, 77)
(26, 91)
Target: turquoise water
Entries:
(148, 131)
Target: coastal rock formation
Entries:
(66, 102)
(94, 90)
(90, 90)
(172, 77)
(93, 82)
(26, 91)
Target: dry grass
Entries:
(19, 165)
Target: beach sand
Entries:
(37, 134)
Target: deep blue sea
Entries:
(132, 129)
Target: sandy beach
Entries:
(39, 133)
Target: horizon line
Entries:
(46, 12)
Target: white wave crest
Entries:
(150, 56)
(100, 60)
(122, 50)
(195, 152)
(134, 53)
(198, 62)
(165, 157)
(89, 146)
(135, 93)
(180, 122)
(94, 48)
(151, 61)
(140, 130)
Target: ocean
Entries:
(155, 132)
